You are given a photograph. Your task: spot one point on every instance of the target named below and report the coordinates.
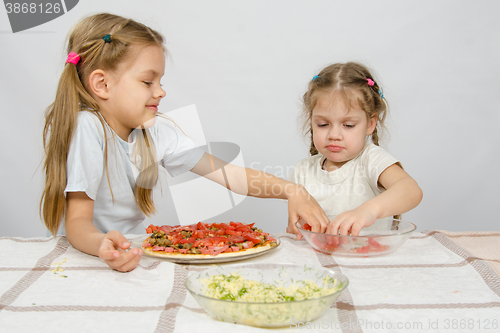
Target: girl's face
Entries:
(339, 132)
(135, 91)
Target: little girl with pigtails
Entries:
(104, 141)
(354, 180)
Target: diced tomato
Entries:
(253, 238)
(200, 233)
(227, 226)
(243, 228)
(176, 239)
(216, 240)
(373, 243)
(237, 239)
(381, 248)
(166, 228)
(233, 233)
(198, 242)
(363, 249)
(151, 228)
(191, 227)
(187, 240)
(221, 232)
(306, 226)
(234, 224)
(201, 226)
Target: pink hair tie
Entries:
(370, 82)
(73, 58)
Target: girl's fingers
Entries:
(344, 228)
(292, 229)
(131, 264)
(107, 251)
(109, 254)
(333, 227)
(118, 239)
(356, 228)
(127, 261)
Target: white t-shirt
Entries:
(345, 188)
(86, 170)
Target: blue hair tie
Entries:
(380, 93)
(315, 77)
(107, 38)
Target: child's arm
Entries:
(259, 184)
(84, 236)
(402, 194)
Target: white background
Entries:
(246, 64)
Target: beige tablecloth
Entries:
(438, 281)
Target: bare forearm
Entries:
(253, 182)
(401, 197)
(264, 185)
(83, 235)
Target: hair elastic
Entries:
(370, 82)
(107, 38)
(73, 58)
(315, 77)
(381, 93)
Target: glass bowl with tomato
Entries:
(384, 236)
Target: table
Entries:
(438, 281)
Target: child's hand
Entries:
(351, 222)
(302, 205)
(112, 251)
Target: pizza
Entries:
(204, 240)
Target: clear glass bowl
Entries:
(276, 314)
(385, 236)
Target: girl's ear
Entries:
(98, 83)
(372, 123)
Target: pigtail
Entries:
(312, 149)
(148, 176)
(376, 105)
(308, 103)
(375, 137)
(60, 120)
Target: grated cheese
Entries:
(234, 287)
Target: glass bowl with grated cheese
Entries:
(267, 294)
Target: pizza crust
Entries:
(177, 255)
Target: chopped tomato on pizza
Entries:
(204, 240)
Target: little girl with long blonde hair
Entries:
(104, 142)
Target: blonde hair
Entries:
(350, 80)
(86, 39)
